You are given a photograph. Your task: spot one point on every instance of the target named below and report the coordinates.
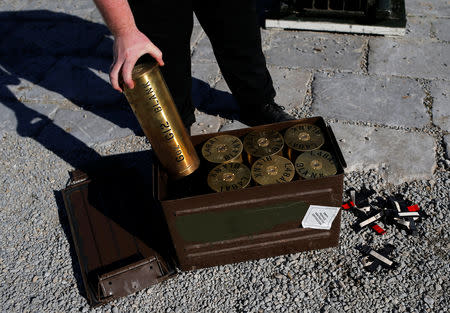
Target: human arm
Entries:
(129, 43)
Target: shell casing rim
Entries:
(332, 163)
(237, 157)
(290, 145)
(247, 144)
(146, 69)
(275, 179)
(244, 176)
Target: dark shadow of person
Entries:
(60, 53)
(133, 218)
(66, 54)
(213, 101)
(30, 122)
(63, 54)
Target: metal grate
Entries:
(340, 8)
(333, 5)
(382, 17)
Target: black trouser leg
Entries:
(233, 30)
(168, 24)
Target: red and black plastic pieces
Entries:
(366, 214)
(392, 211)
(403, 214)
(373, 259)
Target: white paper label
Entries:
(319, 217)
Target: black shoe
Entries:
(266, 114)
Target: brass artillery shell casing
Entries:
(229, 176)
(157, 114)
(258, 144)
(315, 164)
(223, 149)
(303, 137)
(273, 169)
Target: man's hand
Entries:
(129, 44)
(128, 48)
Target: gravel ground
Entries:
(37, 269)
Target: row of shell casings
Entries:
(264, 153)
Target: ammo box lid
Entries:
(119, 236)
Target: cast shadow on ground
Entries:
(213, 101)
(60, 55)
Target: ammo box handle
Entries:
(336, 147)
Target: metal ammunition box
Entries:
(123, 244)
(256, 222)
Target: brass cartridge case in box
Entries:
(315, 164)
(222, 149)
(302, 137)
(273, 169)
(229, 176)
(258, 144)
(157, 114)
